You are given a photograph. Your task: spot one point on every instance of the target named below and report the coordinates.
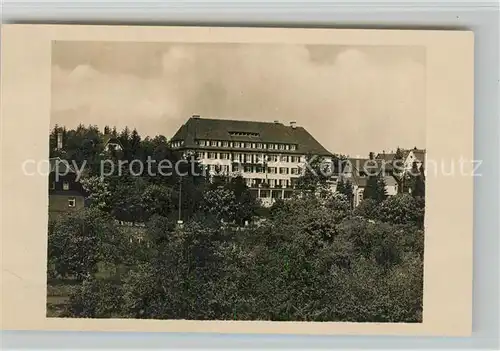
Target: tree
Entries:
(95, 298)
(220, 202)
(180, 281)
(80, 240)
(368, 208)
(315, 175)
(418, 181)
(398, 170)
(402, 209)
(375, 188)
(98, 191)
(344, 187)
(157, 199)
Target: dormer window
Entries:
(247, 134)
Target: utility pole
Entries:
(179, 220)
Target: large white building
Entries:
(270, 156)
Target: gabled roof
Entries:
(252, 131)
(110, 139)
(420, 155)
(63, 166)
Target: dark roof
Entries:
(63, 166)
(369, 167)
(386, 157)
(106, 139)
(265, 132)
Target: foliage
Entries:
(98, 190)
(79, 241)
(309, 258)
(375, 188)
(95, 298)
(402, 209)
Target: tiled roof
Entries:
(252, 131)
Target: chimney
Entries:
(196, 116)
(59, 140)
(293, 124)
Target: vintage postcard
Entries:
(237, 180)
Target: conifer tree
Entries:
(375, 188)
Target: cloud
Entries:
(353, 100)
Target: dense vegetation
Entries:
(309, 258)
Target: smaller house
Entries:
(111, 143)
(66, 194)
(358, 170)
(409, 157)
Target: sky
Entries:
(352, 99)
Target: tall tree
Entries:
(375, 188)
(398, 170)
(344, 187)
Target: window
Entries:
(294, 171)
(271, 170)
(224, 156)
(270, 146)
(282, 147)
(200, 155)
(65, 185)
(264, 193)
(213, 143)
(225, 144)
(248, 169)
(236, 168)
(248, 158)
(202, 143)
(293, 147)
(236, 144)
(284, 158)
(283, 170)
(212, 155)
(71, 202)
(273, 158)
(259, 145)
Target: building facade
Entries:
(270, 156)
(65, 193)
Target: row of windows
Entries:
(254, 169)
(248, 158)
(246, 145)
(65, 185)
(178, 143)
(272, 183)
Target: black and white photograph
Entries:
(218, 181)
